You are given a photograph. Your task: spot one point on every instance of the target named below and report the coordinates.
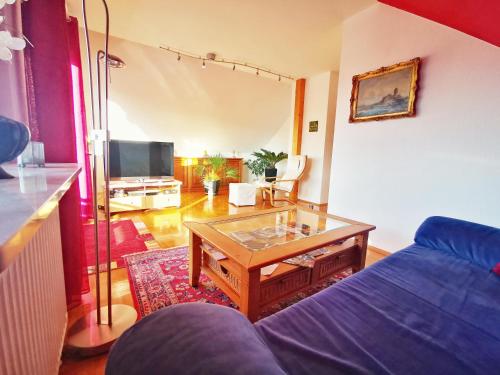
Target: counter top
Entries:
(27, 200)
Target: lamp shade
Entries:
(186, 162)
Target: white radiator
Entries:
(33, 305)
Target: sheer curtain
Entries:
(12, 74)
(57, 118)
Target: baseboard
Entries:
(379, 251)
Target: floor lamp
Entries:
(95, 332)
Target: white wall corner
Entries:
(396, 173)
(319, 105)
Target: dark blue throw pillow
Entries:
(477, 243)
(192, 339)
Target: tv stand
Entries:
(144, 194)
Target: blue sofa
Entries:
(432, 308)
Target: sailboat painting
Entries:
(386, 93)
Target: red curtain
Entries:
(85, 180)
(52, 112)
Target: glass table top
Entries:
(263, 231)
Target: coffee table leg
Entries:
(362, 242)
(194, 259)
(250, 294)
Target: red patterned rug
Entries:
(159, 278)
(127, 237)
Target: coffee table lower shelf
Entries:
(286, 281)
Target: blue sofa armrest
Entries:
(477, 243)
(192, 338)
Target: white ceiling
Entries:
(297, 37)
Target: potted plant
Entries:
(265, 163)
(212, 169)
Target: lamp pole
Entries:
(95, 332)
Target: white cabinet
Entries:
(164, 200)
(130, 196)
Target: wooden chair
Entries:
(285, 185)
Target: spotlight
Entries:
(203, 65)
(234, 67)
(279, 78)
(257, 73)
(178, 57)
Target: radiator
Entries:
(33, 314)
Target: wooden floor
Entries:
(166, 226)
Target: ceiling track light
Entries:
(213, 57)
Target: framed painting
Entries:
(385, 93)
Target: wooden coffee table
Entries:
(251, 241)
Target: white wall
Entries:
(446, 160)
(281, 141)
(319, 105)
(155, 97)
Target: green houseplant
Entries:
(264, 163)
(212, 170)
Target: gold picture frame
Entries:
(386, 93)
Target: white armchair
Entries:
(294, 172)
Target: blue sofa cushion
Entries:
(480, 244)
(419, 311)
(192, 338)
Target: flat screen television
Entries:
(129, 159)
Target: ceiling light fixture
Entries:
(211, 56)
(113, 61)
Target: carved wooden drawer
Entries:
(336, 262)
(281, 286)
